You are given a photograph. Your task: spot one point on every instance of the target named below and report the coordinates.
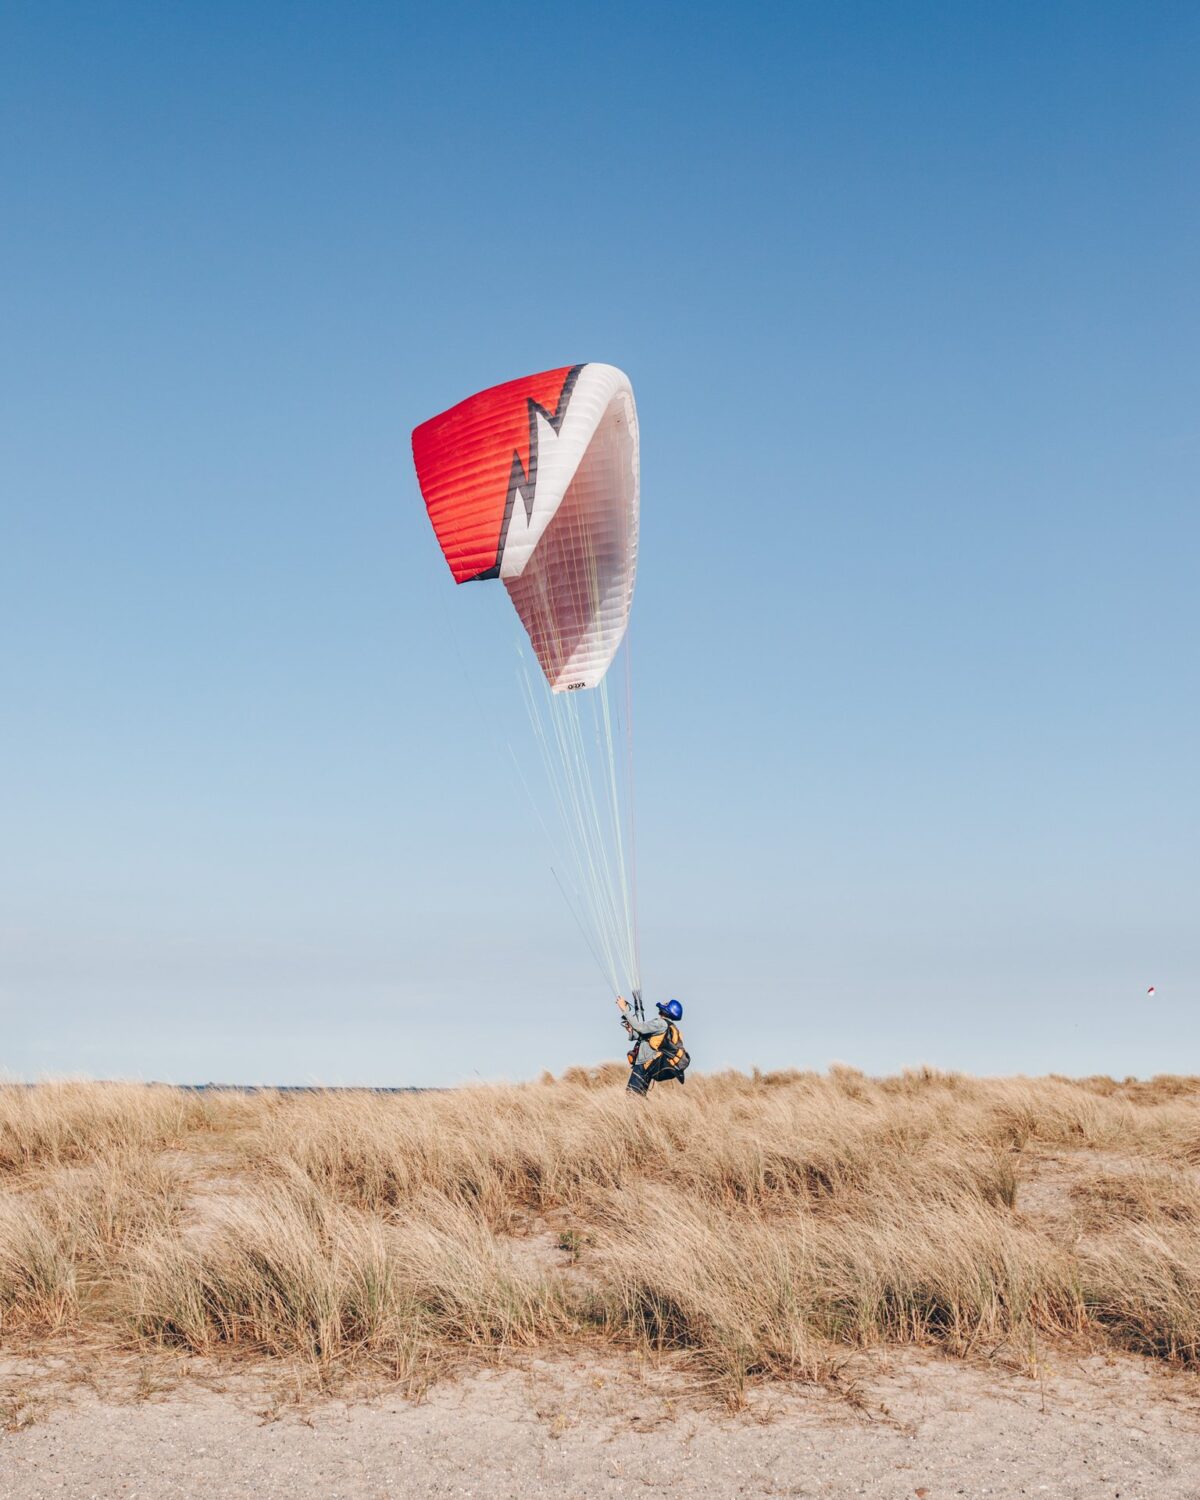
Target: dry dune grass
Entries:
(753, 1226)
(72, 1122)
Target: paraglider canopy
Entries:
(535, 482)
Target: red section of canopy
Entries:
(464, 460)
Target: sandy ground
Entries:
(927, 1428)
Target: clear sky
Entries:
(909, 298)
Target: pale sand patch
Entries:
(1045, 1182)
(926, 1428)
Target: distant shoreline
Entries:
(240, 1088)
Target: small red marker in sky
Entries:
(1150, 991)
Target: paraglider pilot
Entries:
(658, 1053)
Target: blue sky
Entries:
(908, 296)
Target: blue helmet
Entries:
(672, 1008)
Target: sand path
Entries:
(929, 1429)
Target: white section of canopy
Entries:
(570, 567)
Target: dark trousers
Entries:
(642, 1075)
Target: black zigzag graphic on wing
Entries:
(521, 483)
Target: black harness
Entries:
(673, 1057)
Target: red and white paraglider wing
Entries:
(536, 482)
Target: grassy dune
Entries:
(753, 1226)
